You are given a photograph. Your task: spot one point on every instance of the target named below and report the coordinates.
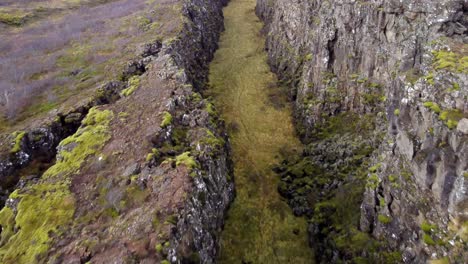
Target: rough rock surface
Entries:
(407, 60)
(145, 179)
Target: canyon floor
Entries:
(260, 226)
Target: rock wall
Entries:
(404, 65)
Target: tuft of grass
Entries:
(167, 120)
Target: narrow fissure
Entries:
(260, 226)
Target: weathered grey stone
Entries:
(463, 126)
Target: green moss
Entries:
(51, 196)
(133, 84)
(56, 206)
(154, 154)
(210, 109)
(186, 160)
(375, 168)
(428, 239)
(455, 87)
(396, 112)
(362, 80)
(373, 181)
(353, 242)
(7, 221)
(165, 262)
(384, 219)
(382, 202)
(343, 124)
(196, 97)
(88, 139)
(452, 124)
(451, 61)
(430, 78)
(167, 120)
(309, 57)
(451, 117)
(212, 140)
(354, 76)
(391, 257)
(375, 85)
(18, 135)
(159, 248)
(433, 106)
(428, 228)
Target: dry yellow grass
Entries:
(260, 224)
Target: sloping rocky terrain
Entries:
(144, 174)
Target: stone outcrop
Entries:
(403, 63)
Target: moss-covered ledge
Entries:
(38, 213)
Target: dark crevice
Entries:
(331, 50)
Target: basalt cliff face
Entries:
(144, 175)
(380, 96)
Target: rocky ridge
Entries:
(145, 177)
(402, 67)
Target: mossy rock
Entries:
(46, 208)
